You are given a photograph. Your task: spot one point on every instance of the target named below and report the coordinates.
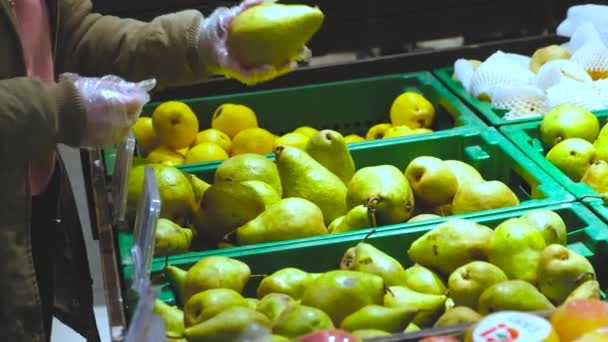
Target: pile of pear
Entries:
(458, 272)
(318, 191)
(577, 146)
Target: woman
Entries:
(47, 47)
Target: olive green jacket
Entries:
(34, 118)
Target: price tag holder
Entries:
(120, 178)
(148, 213)
(146, 326)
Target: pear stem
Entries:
(584, 277)
(372, 232)
(388, 290)
(371, 203)
(258, 276)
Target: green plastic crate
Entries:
(599, 208)
(492, 116)
(526, 137)
(488, 151)
(587, 235)
(347, 106)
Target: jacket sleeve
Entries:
(35, 117)
(165, 48)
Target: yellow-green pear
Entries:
(209, 303)
(468, 282)
(172, 317)
(170, 238)
(601, 143)
(429, 306)
(364, 257)
(249, 166)
(379, 317)
(273, 304)
(364, 334)
(384, 189)
(412, 327)
(483, 195)
(515, 248)
(290, 281)
(227, 326)
(297, 320)
(199, 186)
(177, 279)
(272, 33)
(423, 279)
(573, 157)
(596, 176)
(304, 177)
(568, 121)
(546, 54)
(278, 338)
(450, 245)
(422, 217)
(330, 149)
(252, 303)
(339, 293)
(457, 315)
(214, 272)
(464, 172)
(433, 182)
(291, 218)
(550, 225)
(359, 217)
(560, 271)
(589, 289)
(515, 295)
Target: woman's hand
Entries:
(112, 107)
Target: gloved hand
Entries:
(112, 107)
(213, 36)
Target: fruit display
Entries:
(459, 271)
(171, 136)
(323, 189)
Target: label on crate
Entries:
(146, 326)
(120, 178)
(511, 326)
(148, 213)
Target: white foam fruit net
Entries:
(593, 57)
(601, 88)
(520, 101)
(559, 70)
(575, 93)
(498, 70)
(463, 71)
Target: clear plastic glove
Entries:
(213, 38)
(112, 107)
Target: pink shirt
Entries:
(35, 34)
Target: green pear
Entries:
(366, 258)
(550, 224)
(483, 195)
(272, 34)
(589, 289)
(177, 279)
(214, 272)
(297, 320)
(291, 218)
(464, 172)
(356, 218)
(515, 248)
(335, 223)
(373, 316)
(412, 327)
(268, 194)
(515, 295)
(227, 205)
(249, 166)
(226, 326)
(252, 303)
(573, 157)
(560, 271)
(304, 177)
(290, 281)
(423, 279)
(423, 217)
(601, 144)
(596, 176)
(429, 306)
(199, 186)
(546, 54)
(209, 303)
(467, 282)
(329, 149)
(364, 334)
(432, 181)
(384, 189)
(340, 293)
(568, 121)
(450, 245)
(172, 317)
(273, 304)
(170, 238)
(457, 315)
(278, 338)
